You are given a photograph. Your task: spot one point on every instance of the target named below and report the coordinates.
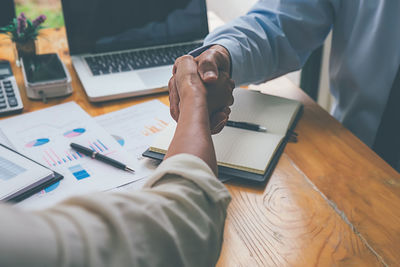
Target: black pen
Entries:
(96, 155)
(246, 126)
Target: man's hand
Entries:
(214, 69)
(213, 62)
(186, 80)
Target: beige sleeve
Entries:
(176, 220)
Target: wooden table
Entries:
(330, 200)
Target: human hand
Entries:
(186, 80)
(185, 83)
(214, 68)
(213, 63)
(219, 99)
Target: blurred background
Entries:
(313, 78)
(52, 9)
(34, 8)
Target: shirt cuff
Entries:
(193, 169)
(235, 54)
(199, 50)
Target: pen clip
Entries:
(292, 136)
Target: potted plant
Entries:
(23, 32)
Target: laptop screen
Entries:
(95, 26)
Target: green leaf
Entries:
(29, 23)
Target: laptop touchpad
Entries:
(155, 77)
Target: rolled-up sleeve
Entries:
(177, 219)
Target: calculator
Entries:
(10, 99)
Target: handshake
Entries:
(206, 76)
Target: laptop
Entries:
(124, 48)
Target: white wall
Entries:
(229, 9)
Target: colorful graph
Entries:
(74, 132)
(157, 127)
(37, 142)
(79, 172)
(119, 139)
(97, 146)
(53, 158)
(50, 188)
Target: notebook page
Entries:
(242, 149)
(275, 113)
(245, 150)
(236, 148)
(161, 143)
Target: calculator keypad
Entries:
(10, 99)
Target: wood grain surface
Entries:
(331, 201)
(356, 182)
(288, 223)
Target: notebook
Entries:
(244, 153)
(21, 177)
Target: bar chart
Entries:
(156, 127)
(79, 172)
(56, 158)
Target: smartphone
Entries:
(45, 76)
(44, 69)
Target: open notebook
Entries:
(21, 177)
(244, 153)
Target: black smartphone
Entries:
(45, 68)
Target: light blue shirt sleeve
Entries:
(277, 36)
(274, 38)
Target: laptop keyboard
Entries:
(139, 59)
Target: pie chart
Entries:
(51, 187)
(38, 142)
(74, 132)
(119, 139)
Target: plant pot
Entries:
(25, 49)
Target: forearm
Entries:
(177, 220)
(192, 135)
(182, 209)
